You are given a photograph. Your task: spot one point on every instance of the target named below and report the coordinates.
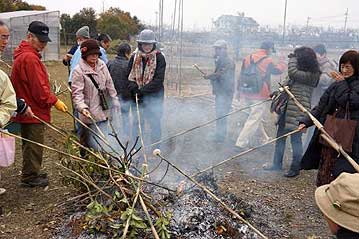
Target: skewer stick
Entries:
(199, 69)
(245, 152)
(208, 122)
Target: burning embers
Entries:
(197, 216)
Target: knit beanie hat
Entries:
(83, 32)
(89, 47)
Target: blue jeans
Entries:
(297, 147)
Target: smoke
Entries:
(198, 149)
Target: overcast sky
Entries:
(199, 14)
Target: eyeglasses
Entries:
(4, 37)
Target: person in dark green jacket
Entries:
(303, 75)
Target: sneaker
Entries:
(291, 173)
(35, 182)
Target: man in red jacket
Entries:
(30, 80)
(253, 132)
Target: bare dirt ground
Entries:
(289, 203)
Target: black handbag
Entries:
(101, 94)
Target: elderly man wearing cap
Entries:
(222, 81)
(82, 35)
(31, 82)
(339, 202)
(256, 90)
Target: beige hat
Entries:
(339, 201)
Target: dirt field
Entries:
(37, 213)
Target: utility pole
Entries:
(307, 28)
(103, 6)
(284, 21)
(156, 23)
(346, 20)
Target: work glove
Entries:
(59, 105)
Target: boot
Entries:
(291, 173)
(35, 182)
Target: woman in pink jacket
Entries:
(93, 92)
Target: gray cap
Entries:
(83, 32)
(220, 44)
(147, 36)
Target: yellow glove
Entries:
(59, 105)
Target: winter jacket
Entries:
(7, 99)
(222, 79)
(31, 83)
(84, 93)
(118, 68)
(326, 66)
(267, 68)
(302, 84)
(154, 88)
(103, 56)
(77, 57)
(346, 234)
(334, 98)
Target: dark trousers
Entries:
(297, 147)
(151, 110)
(128, 114)
(223, 107)
(31, 153)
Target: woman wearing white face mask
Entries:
(147, 68)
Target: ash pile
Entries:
(196, 216)
(193, 215)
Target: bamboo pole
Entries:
(208, 122)
(320, 127)
(245, 152)
(84, 160)
(138, 190)
(204, 188)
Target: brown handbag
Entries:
(341, 130)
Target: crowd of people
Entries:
(100, 88)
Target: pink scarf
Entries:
(137, 68)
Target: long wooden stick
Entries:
(245, 152)
(85, 161)
(199, 69)
(208, 122)
(138, 190)
(320, 127)
(140, 130)
(204, 188)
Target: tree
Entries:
(118, 24)
(18, 5)
(86, 17)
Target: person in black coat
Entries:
(146, 75)
(118, 69)
(342, 98)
